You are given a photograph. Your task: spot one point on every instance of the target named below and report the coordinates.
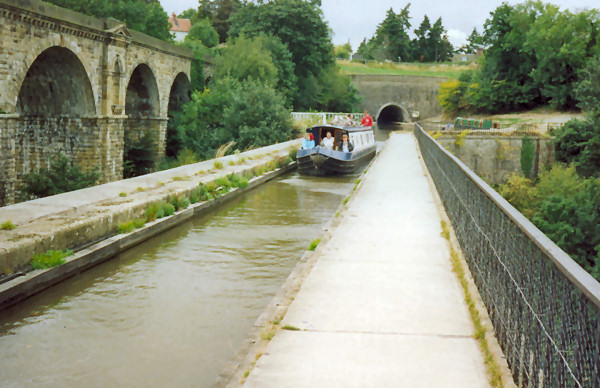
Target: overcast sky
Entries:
(354, 20)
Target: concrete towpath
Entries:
(381, 306)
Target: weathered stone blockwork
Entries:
(494, 158)
(64, 82)
(412, 93)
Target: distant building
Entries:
(180, 27)
(468, 57)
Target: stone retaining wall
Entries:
(495, 157)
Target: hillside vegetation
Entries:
(446, 70)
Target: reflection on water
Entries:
(172, 311)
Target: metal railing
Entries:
(315, 118)
(526, 128)
(545, 308)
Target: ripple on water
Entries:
(172, 311)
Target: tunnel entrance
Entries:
(392, 114)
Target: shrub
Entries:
(139, 155)
(7, 225)
(50, 259)
(60, 177)
(522, 194)
(527, 156)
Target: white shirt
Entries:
(328, 142)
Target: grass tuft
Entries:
(130, 226)
(480, 331)
(50, 259)
(290, 327)
(7, 225)
(314, 244)
(122, 194)
(218, 164)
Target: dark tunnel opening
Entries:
(392, 114)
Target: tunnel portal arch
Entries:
(392, 113)
(56, 84)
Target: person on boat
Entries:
(308, 141)
(327, 141)
(345, 146)
(367, 120)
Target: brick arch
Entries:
(56, 83)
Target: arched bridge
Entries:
(82, 86)
(398, 98)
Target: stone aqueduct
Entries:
(81, 86)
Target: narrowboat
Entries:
(321, 161)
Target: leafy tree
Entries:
(392, 37)
(343, 51)
(420, 45)
(561, 42)
(522, 194)
(573, 223)
(474, 42)
(203, 32)
(190, 13)
(61, 176)
(197, 65)
(247, 112)
(282, 59)
(219, 13)
(439, 47)
(145, 16)
(299, 25)
(256, 63)
(578, 142)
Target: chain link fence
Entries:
(545, 308)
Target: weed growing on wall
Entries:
(50, 259)
(314, 243)
(7, 225)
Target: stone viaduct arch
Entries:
(76, 84)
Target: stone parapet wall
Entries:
(495, 157)
(73, 219)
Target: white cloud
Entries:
(457, 37)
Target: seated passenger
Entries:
(345, 146)
(327, 142)
(308, 141)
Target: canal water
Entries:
(172, 311)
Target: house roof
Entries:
(179, 25)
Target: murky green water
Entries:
(171, 312)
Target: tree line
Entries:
(536, 55)
(392, 41)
